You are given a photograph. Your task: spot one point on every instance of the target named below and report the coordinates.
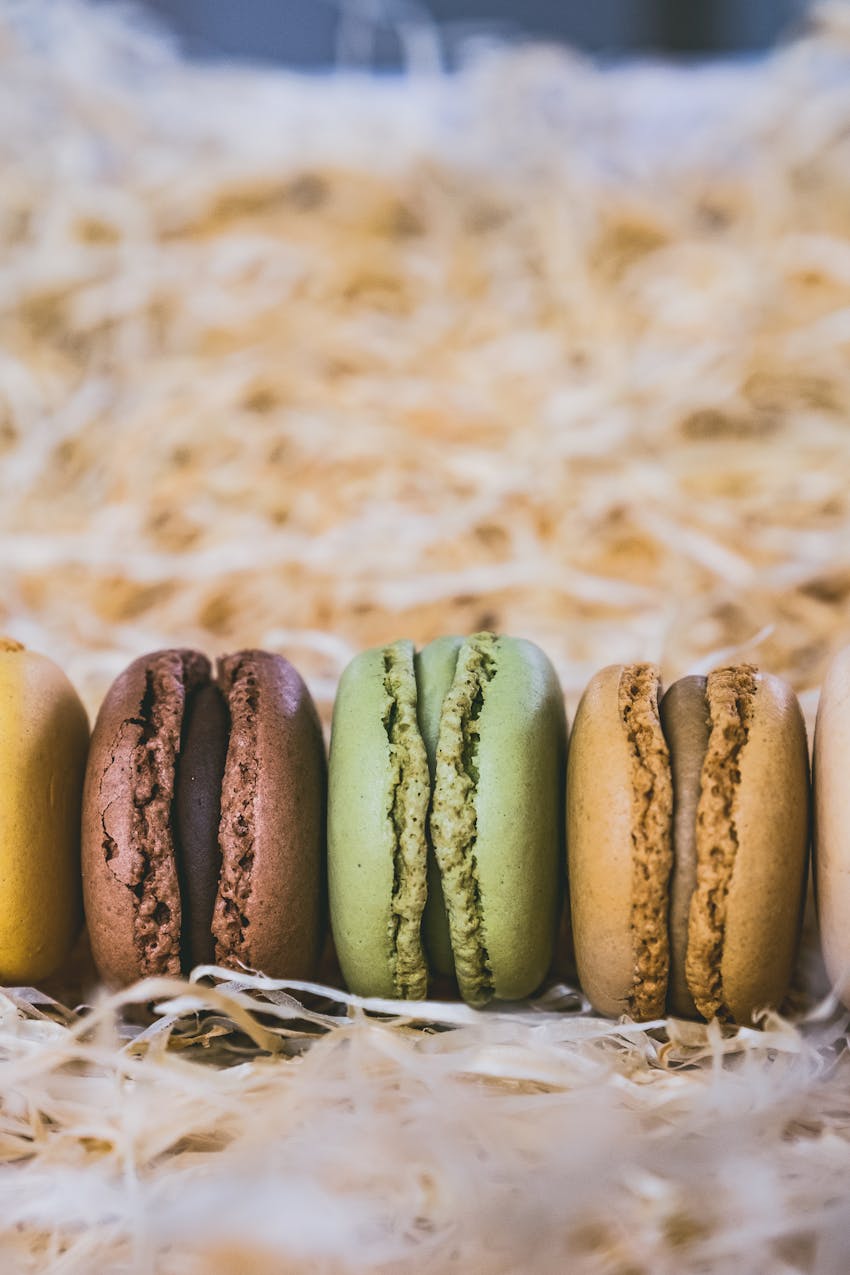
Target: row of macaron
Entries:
(442, 837)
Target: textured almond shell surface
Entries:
(599, 845)
(518, 795)
(43, 741)
(110, 849)
(832, 821)
(110, 906)
(285, 892)
(361, 837)
(766, 892)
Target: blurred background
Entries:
(314, 33)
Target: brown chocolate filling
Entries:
(197, 810)
(237, 677)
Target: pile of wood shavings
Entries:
(534, 1139)
(311, 364)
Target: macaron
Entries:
(44, 735)
(687, 841)
(445, 837)
(203, 819)
(832, 822)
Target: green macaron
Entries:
(444, 834)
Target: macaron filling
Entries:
(197, 811)
(170, 679)
(239, 682)
(730, 695)
(435, 667)
(652, 845)
(195, 776)
(706, 724)
(453, 814)
(407, 809)
(687, 727)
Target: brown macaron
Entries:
(203, 819)
(687, 841)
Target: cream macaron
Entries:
(44, 737)
(832, 822)
(687, 840)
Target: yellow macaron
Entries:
(44, 736)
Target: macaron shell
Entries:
(115, 863)
(599, 845)
(110, 905)
(281, 894)
(684, 717)
(518, 801)
(832, 821)
(767, 891)
(196, 815)
(435, 667)
(361, 842)
(364, 775)
(43, 742)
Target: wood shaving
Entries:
(313, 364)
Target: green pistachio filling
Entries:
(407, 809)
(453, 814)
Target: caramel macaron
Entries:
(203, 819)
(44, 735)
(687, 841)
